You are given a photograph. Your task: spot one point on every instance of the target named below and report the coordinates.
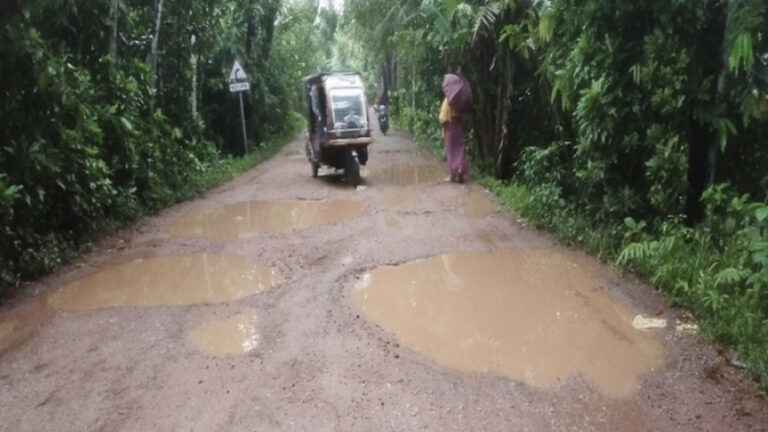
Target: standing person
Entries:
(451, 122)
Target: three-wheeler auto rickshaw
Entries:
(338, 123)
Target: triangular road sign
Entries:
(237, 73)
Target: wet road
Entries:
(283, 302)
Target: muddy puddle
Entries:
(6, 328)
(536, 316)
(233, 335)
(394, 223)
(6, 332)
(408, 174)
(247, 219)
(18, 324)
(404, 200)
(477, 205)
(166, 280)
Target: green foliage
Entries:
(717, 270)
(95, 135)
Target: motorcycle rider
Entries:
(381, 111)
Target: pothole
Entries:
(409, 174)
(6, 331)
(477, 205)
(23, 321)
(394, 223)
(404, 200)
(166, 280)
(535, 316)
(233, 335)
(247, 219)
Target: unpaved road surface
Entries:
(99, 347)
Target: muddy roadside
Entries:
(257, 325)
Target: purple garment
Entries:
(454, 147)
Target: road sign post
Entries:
(238, 84)
(242, 118)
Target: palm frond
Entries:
(486, 18)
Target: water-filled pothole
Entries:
(21, 322)
(6, 330)
(477, 205)
(166, 280)
(403, 200)
(409, 174)
(535, 316)
(394, 223)
(233, 335)
(242, 220)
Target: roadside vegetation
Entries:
(115, 108)
(638, 130)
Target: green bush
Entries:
(718, 270)
(95, 134)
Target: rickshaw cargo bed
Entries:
(348, 141)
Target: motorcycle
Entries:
(383, 119)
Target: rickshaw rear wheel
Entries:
(351, 166)
(315, 168)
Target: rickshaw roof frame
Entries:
(320, 78)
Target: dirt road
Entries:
(283, 302)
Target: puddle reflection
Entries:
(535, 316)
(477, 205)
(248, 219)
(234, 335)
(409, 174)
(166, 280)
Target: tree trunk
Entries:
(384, 78)
(114, 14)
(387, 82)
(702, 149)
(701, 158)
(268, 24)
(155, 41)
(485, 90)
(8, 9)
(193, 66)
(393, 71)
(502, 164)
(502, 54)
(250, 37)
(413, 87)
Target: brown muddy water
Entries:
(166, 280)
(23, 321)
(247, 219)
(533, 315)
(477, 205)
(6, 329)
(233, 335)
(408, 174)
(394, 223)
(405, 200)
